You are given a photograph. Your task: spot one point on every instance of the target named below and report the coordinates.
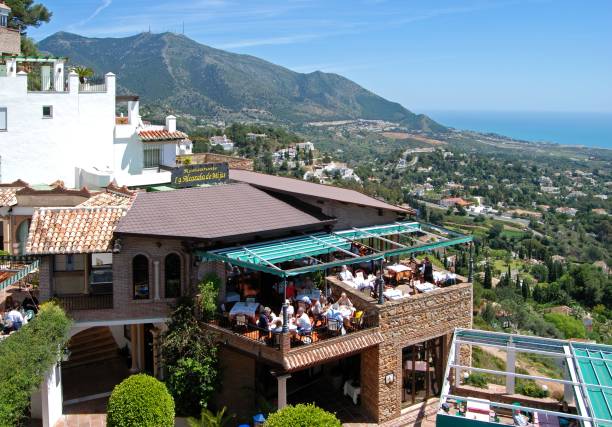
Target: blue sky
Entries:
(516, 55)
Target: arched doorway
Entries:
(22, 236)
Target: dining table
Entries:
(479, 411)
(424, 286)
(400, 271)
(248, 309)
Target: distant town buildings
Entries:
(566, 211)
(222, 141)
(454, 201)
(327, 173)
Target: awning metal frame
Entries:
(266, 256)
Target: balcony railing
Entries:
(85, 302)
(93, 85)
(322, 330)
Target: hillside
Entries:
(185, 76)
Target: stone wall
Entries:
(403, 323)
(10, 41)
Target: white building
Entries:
(305, 146)
(52, 127)
(331, 170)
(223, 141)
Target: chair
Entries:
(334, 326)
(241, 321)
(357, 320)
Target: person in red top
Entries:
(290, 291)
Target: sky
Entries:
(462, 55)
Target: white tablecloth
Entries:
(478, 411)
(394, 294)
(247, 308)
(398, 268)
(425, 287)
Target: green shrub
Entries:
(209, 293)
(140, 400)
(190, 355)
(529, 388)
(569, 326)
(302, 416)
(26, 356)
(477, 379)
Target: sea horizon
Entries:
(588, 129)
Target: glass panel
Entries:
(152, 156)
(140, 277)
(69, 263)
(3, 115)
(173, 276)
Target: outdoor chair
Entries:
(334, 326)
(357, 320)
(241, 322)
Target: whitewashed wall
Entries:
(42, 150)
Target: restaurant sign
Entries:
(204, 173)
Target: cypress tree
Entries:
(525, 290)
(487, 282)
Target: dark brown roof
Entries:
(300, 187)
(215, 212)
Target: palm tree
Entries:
(83, 72)
(210, 419)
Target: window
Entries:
(140, 277)
(3, 116)
(172, 269)
(152, 156)
(69, 262)
(47, 111)
(3, 20)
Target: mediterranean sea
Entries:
(588, 129)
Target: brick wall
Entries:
(10, 41)
(237, 391)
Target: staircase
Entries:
(93, 345)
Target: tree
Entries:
(83, 73)
(190, 355)
(140, 400)
(302, 416)
(525, 289)
(24, 14)
(487, 282)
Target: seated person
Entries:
(519, 419)
(304, 302)
(15, 318)
(290, 309)
(563, 421)
(265, 318)
(30, 303)
(277, 325)
(303, 322)
(316, 309)
(346, 275)
(428, 270)
(344, 300)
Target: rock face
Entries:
(177, 73)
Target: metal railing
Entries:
(322, 330)
(95, 84)
(85, 302)
(15, 268)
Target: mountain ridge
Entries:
(186, 76)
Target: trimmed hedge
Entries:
(140, 401)
(302, 416)
(25, 358)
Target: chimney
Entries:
(171, 124)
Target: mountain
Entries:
(182, 75)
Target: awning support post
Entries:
(471, 265)
(285, 307)
(381, 284)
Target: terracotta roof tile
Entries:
(161, 135)
(73, 230)
(8, 196)
(304, 357)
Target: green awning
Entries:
(266, 256)
(595, 367)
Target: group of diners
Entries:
(305, 316)
(418, 276)
(16, 314)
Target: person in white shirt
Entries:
(303, 322)
(344, 300)
(15, 317)
(346, 275)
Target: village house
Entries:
(44, 100)
(133, 254)
(566, 210)
(454, 201)
(222, 141)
